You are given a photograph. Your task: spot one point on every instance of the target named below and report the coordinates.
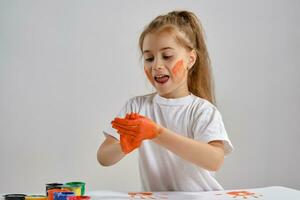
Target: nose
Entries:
(157, 65)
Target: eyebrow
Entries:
(165, 48)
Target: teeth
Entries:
(159, 76)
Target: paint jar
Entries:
(75, 189)
(79, 198)
(53, 186)
(52, 191)
(77, 183)
(14, 196)
(62, 195)
(35, 197)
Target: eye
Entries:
(149, 59)
(167, 57)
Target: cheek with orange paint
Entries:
(178, 69)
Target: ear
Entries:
(192, 58)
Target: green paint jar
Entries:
(78, 184)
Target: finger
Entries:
(125, 121)
(136, 116)
(129, 116)
(139, 116)
(142, 116)
(132, 116)
(120, 129)
(125, 132)
(128, 128)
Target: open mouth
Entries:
(161, 78)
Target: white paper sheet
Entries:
(267, 193)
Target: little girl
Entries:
(178, 131)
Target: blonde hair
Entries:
(200, 80)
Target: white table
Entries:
(266, 193)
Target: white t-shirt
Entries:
(190, 116)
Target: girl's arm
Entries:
(209, 156)
(109, 152)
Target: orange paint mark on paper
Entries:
(146, 195)
(142, 195)
(178, 68)
(243, 194)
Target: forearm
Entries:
(109, 153)
(197, 152)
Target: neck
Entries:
(182, 91)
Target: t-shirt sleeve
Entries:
(209, 126)
(127, 108)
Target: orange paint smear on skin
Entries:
(178, 68)
(148, 75)
(129, 143)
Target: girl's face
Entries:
(166, 63)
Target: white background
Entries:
(67, 67)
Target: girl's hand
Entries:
(129, 143)
(137, 126)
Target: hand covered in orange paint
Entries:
(137, 126)
(129, 143)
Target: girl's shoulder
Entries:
(142, 99)
(202, 106)
(201, 102)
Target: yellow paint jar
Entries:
(75, 189)
(35, 197)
